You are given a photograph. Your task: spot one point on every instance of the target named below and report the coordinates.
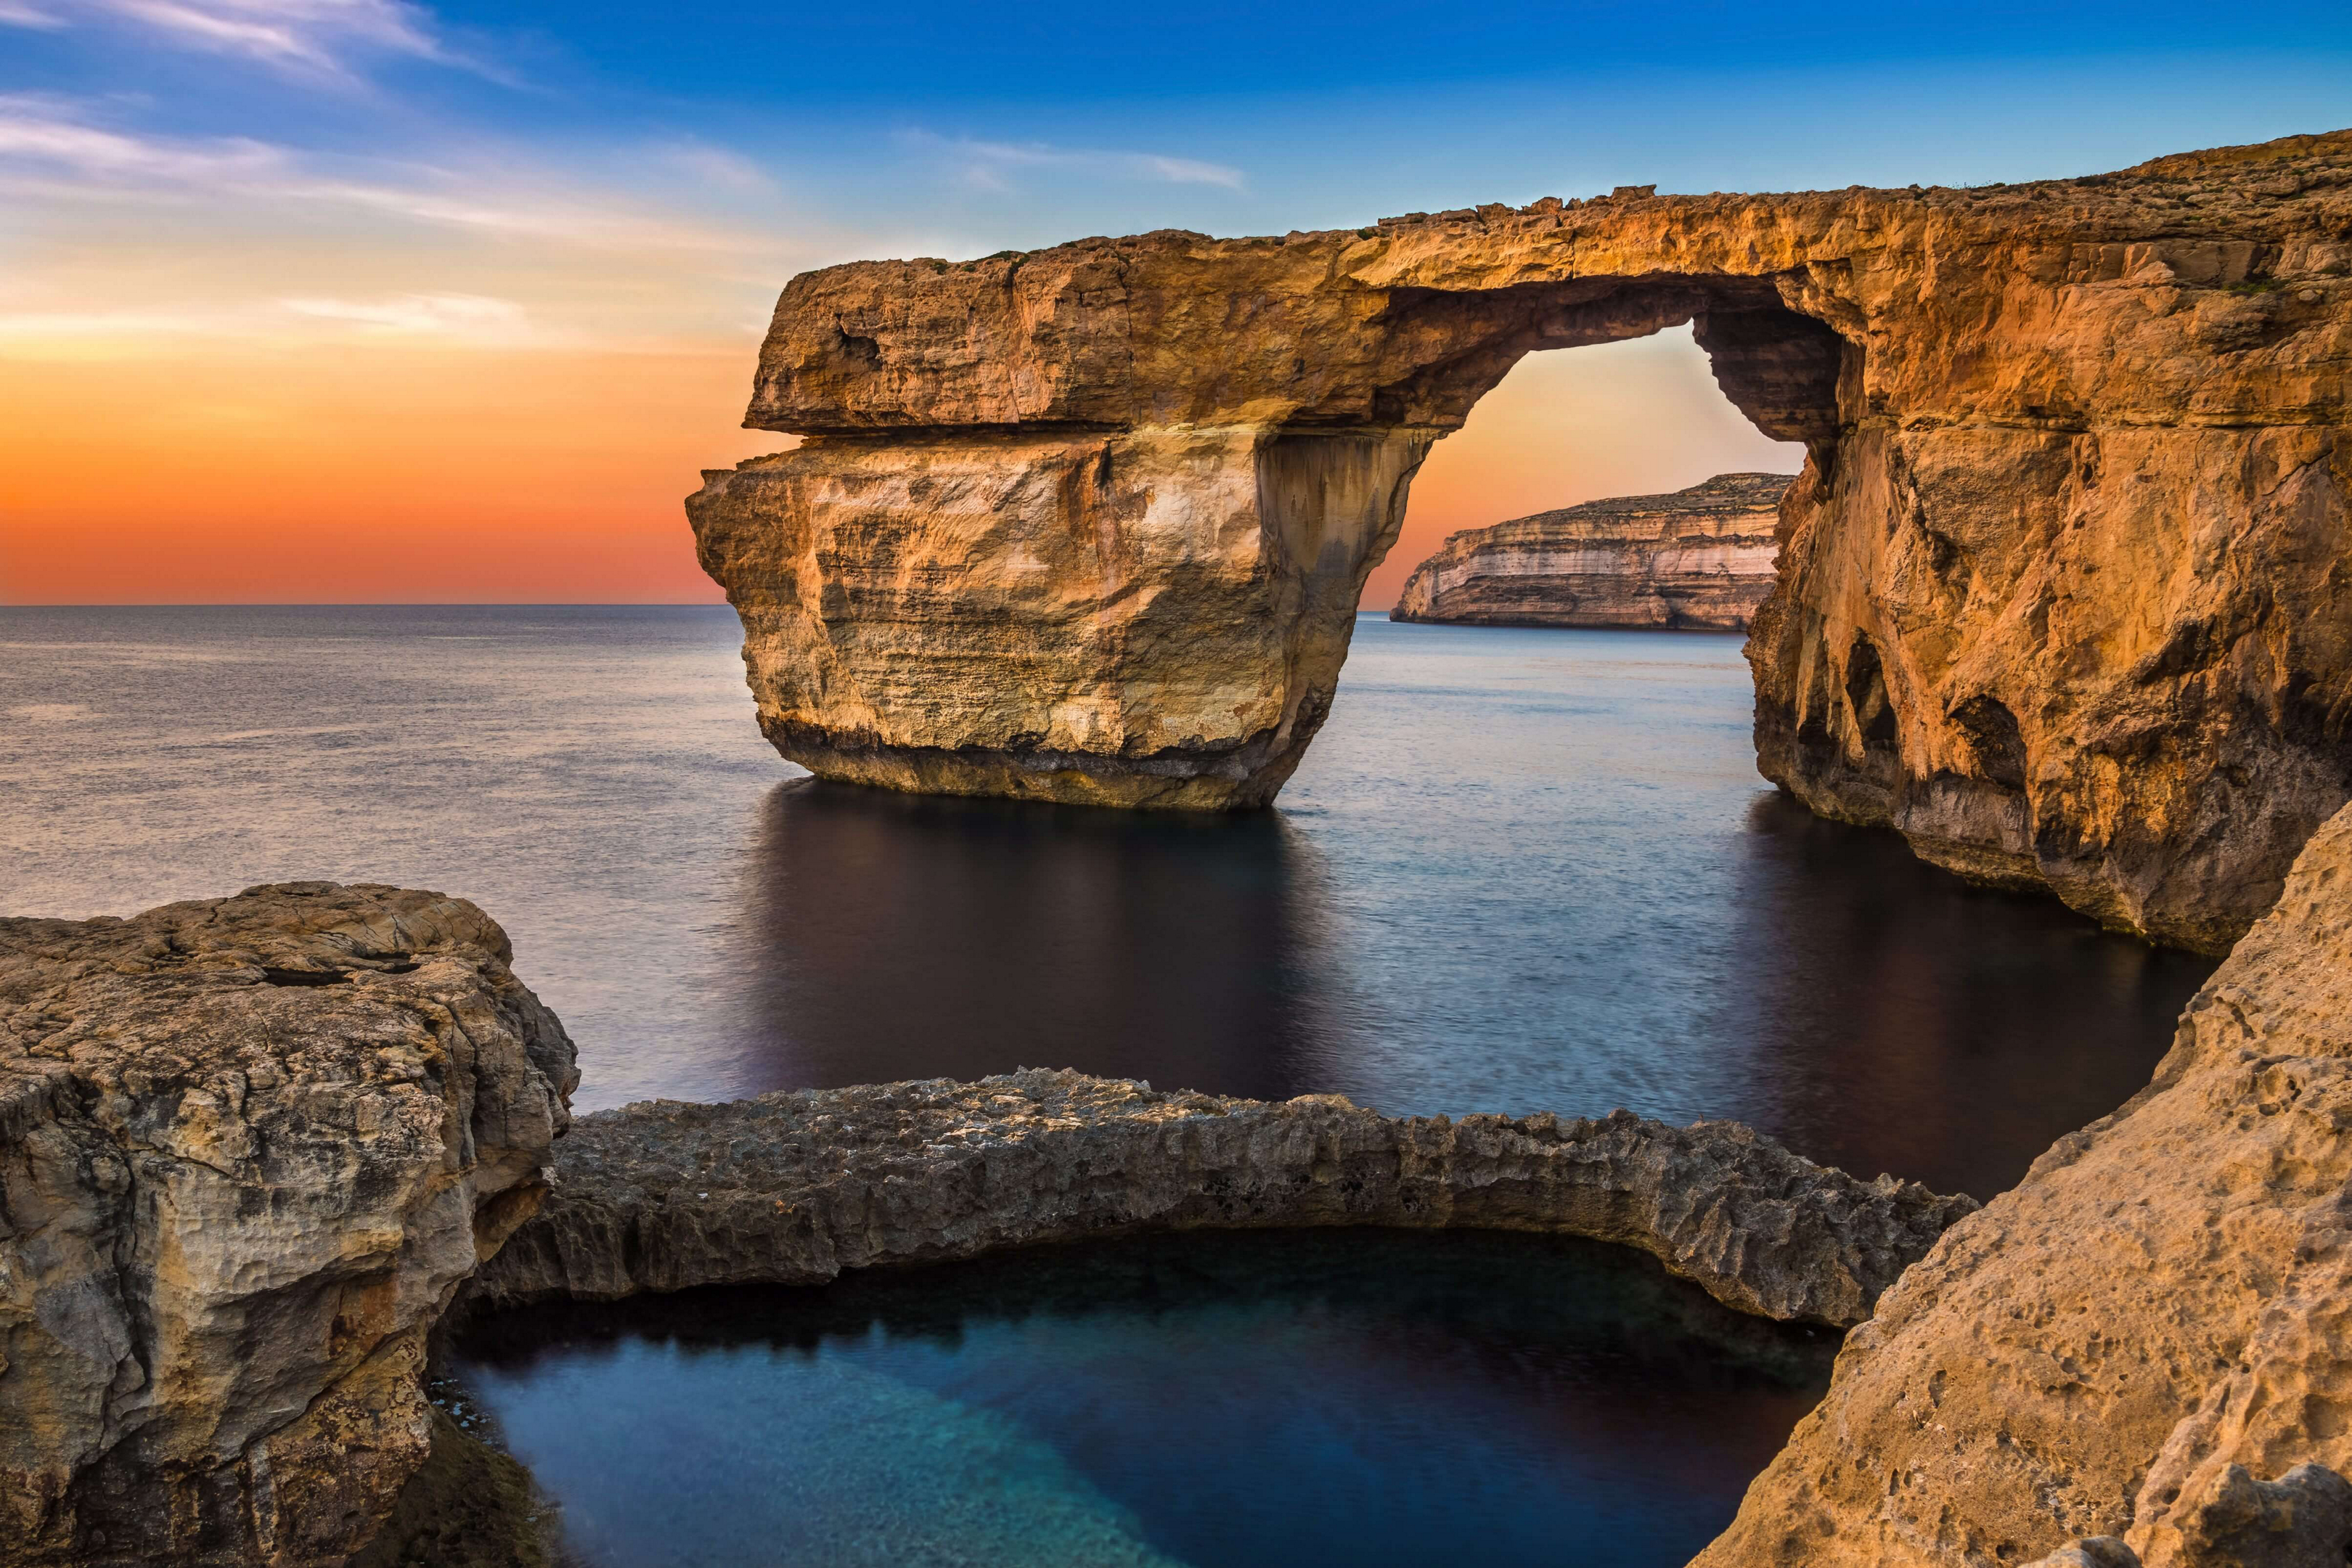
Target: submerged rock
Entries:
(2060, 593)
(792, 1188)
(2160, 1314)
(249, 1148)
(1696, 560)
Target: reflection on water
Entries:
(1519, 870)
(1282, 1398)
(906, 937)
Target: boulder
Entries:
(249, 1149)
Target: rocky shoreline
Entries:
(2153, 1317)
(253, 1151)
(794, 1188)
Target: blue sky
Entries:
(975, 126)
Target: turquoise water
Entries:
(1225, 1402)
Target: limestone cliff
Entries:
(2160, 1315)
(1696, 560)
(249, 1148)
(2063, 590)
(792, 1188)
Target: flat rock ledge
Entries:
(792, 1188)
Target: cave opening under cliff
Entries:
(1641, 416)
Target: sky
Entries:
(351, 300)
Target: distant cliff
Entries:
(1698, 560)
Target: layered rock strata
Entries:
(792, 1188)
(2158, 1315)
(249, 1149)
(2063, 591)
(1695, 560)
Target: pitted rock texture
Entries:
(2303, 1519)
(249, 1148)
(792, 1188)
(2063, 593)
(1695, 560)
(2163, 1304)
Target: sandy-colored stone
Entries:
(2303, 1519)
(1696, 560)
(2063, 590)
(792, 1188)
(233, 1200)
(2159, 1308)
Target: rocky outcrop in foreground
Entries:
(249, 1148)
(792, 1188)
(1695, 560)
(2158, 1315)
(2062, 590)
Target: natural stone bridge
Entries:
(2064, 584)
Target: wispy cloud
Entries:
(34, 132)
(39, 136)
(14, 14)
(717, 167)
(990, 165)
(474, 317)
(317, 38)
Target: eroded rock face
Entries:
(2303, 1519)
(1695, 560)
(2161, 1312)
(249, 1148)
(792, 1188)
(2062, 592)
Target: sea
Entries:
(1519, 870)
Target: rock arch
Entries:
(1090, 524)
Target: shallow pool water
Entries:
(1280, 1398)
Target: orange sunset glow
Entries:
(352, 471)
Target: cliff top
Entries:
(1407, 320)
(1713, 501)
(2213, 184)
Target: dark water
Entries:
(1519, 870)
(1226, 1402)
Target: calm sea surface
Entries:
(1519, 870)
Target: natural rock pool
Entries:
(1276, 1398)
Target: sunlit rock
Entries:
(2060, 591)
